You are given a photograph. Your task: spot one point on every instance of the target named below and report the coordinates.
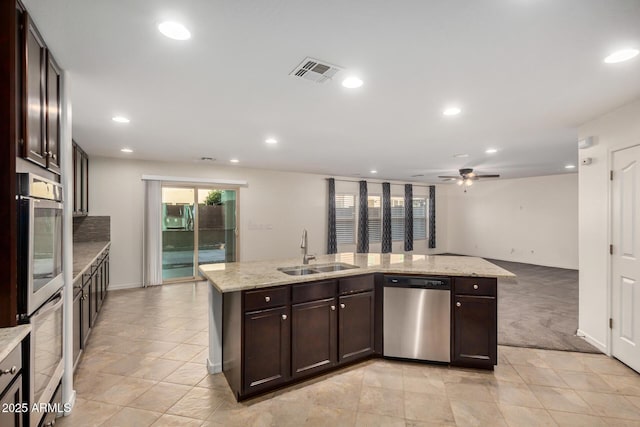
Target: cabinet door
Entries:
(34, 94)
(77, 179)
(313, 337)
(86, 312)
(356, 326)
(53, 115)
(475, 330)
(95, 295)
(85, 184)
(266, 349)
(13, 396)
(77, 328)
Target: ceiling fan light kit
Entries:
(466, 178)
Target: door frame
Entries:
(610, 155)
(196, 220)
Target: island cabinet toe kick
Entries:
(275, 336)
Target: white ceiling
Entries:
(525, 72)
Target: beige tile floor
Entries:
(145, 365)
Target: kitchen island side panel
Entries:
(232, 337)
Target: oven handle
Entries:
(42, 203)
(50, 306)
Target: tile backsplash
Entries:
(91, 228)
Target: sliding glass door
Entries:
(198, 227)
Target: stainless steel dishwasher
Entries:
(417, 318)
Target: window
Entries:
(419, 218)
(345, 218)
(374, 204)
(397, 218)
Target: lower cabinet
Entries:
(293, 332)
(89, 293)
(77, 324)
(356, 326)
(266, 349)
(10, 400)
(12, 394)
(475, 323)
(313, 337)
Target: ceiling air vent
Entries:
(315, 70)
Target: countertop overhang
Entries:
(240, 276)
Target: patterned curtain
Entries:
(363, 220)
(408, 217)
(432, 216)
(332, 242)
(386, 218)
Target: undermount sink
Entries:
(302, 270)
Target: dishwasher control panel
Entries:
(443, 283)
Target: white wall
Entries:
(530, 220)
(273, 210)
(613, 131)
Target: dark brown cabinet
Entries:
(11, 389)
(80, 181)
(295, 331)
(266, 349)
(10, 399)
(41, 104)
(77, 323)
(90, 291)
(475, 323)
(356, 326)
(313, 337)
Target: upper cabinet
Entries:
(40, 140)
(80, 181)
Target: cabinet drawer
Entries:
(350, 285)
(14, 359)
(313, 291)
(475, 286)
(266, 298)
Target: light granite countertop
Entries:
(85, 254)
(11, 337)
(239, 276)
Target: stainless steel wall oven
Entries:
(39, 241)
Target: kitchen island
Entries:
(275, 322)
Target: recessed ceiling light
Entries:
(570, 166)
(126, 150)
(491, 150)
(174, 30)
(452, 111)
(460, 156)
(373, 171)
(234, 160)
(621, 56)
(120, 119)
(271, 141)
(352, 82)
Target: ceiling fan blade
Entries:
(487, 176)
(449, 177)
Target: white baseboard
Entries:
(113, 287)
(594, 342)
(213, 368)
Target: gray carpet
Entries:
(540, 309)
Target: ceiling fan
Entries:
(467, 176)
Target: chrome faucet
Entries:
(304, 245)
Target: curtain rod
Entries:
(376, 181)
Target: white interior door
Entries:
(625, 263)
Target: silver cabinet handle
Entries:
(342, 306)
(11, 371)
(284, 317)
(267, 299)
(458, 304)
(333, 307)
(475, 286)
